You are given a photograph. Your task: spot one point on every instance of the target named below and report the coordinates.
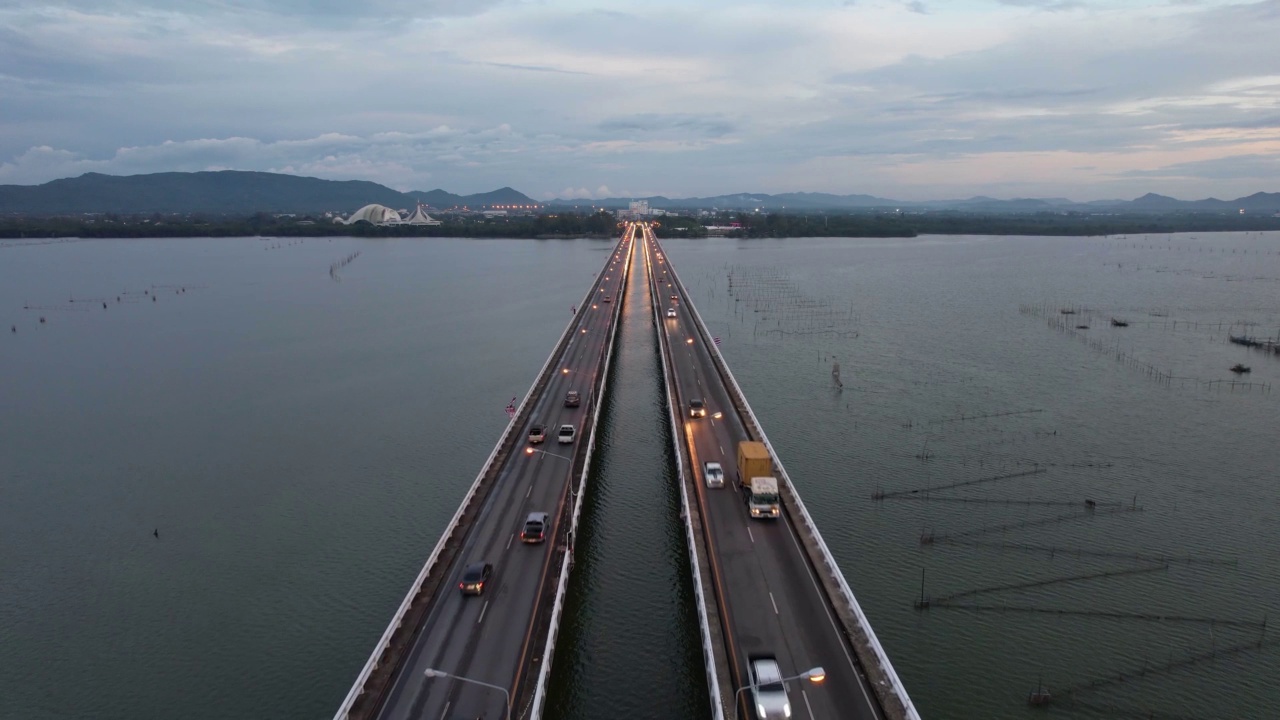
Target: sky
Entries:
(904, 99)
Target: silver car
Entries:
(767, 691)
(713, 474)
(566, 434)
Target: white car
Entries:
(714, 474)
(767, 690)
(566, 434)
(671, 312)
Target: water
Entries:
(301, 441)
(939, 336)
(631, 614)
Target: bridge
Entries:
(460, 646)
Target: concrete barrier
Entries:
(890, 692)
(544, 675)
(710, 657)
(385, 642)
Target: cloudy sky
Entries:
(910, 99)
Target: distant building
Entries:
(373, 214)
(420, 217)
(637, 210)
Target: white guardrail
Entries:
(544, 676)
(708, 651)
(345, 708)
(886, 667)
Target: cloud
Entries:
(402, 160)
(1081, 99)
(1260, 168)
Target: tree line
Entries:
(604, 224)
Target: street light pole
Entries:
(814, 675)
(433, 673)
(532, 450)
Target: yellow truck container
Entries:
(753, 461)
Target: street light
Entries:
(506, 709)
(532, 450)
(814, 675)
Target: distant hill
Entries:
(234, 192)
(800, 202)
(230, 192)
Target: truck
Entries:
(755, 476)
(753, 461)
(762, 497)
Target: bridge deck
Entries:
(500, 636)
(771, 595)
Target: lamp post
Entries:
(532, 450)
(506, 708)
(814, 675)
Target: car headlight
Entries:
(760, 709)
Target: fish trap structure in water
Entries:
(774, 304)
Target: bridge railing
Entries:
(382, 652)
(686, 507)
(597, 398)
(889, 688)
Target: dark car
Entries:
(572, 399)
(697, 408)
(535, 528)
(474, 578)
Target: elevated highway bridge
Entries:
(464, 646)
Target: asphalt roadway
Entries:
(486, 638)
(769, 598)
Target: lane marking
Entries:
(482, 611)
(750, 535)
(446, 710)
(526, 495)
(510, 540)
(775, 604)
(822, 600)
(805, 695)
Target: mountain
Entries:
(234, 192)
(799, 202)
(443, 200)
(231, 192)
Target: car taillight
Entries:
(462, 586)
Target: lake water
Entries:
(300, 438)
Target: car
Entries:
(566, 434)
(537, 434)
(474, 578)
(671, 312)
(713, 474)
(535, 528)
(768, 693)
(674, 298)
(572, 399)
(608, 298)
(697, 408)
